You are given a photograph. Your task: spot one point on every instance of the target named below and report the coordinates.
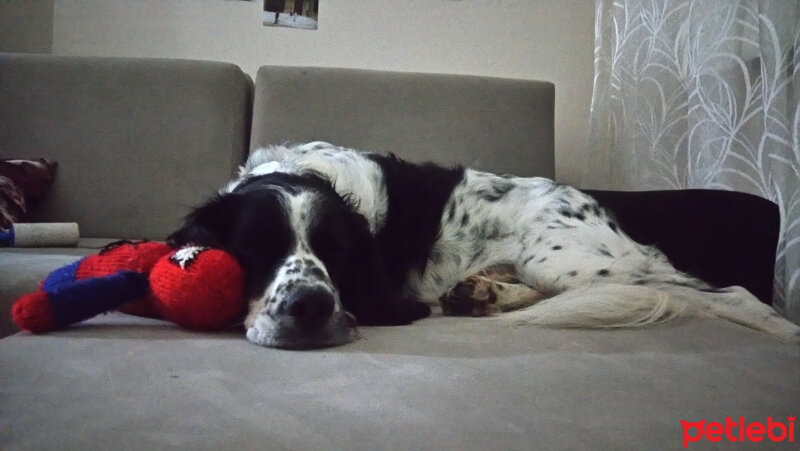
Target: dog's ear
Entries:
(367, 289)
(365, 280)
(210, 224)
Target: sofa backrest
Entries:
(492, 124)
(138, 141)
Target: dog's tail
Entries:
(626, 306)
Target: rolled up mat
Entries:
(45, 234)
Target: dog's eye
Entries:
(328, 245)
(260, 248)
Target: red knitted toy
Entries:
(194, 287)
(198, 288)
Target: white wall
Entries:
(532, 39)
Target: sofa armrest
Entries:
(136, 140)
(723, 237)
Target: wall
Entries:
(26, 26)
(532, 39)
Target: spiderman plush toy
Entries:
(194, 287)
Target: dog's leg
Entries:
(593, 277)
(503, 284)
(622, 295)
(481, 296)
(738, 305)
(513, 296)
(503, 273)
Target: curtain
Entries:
(702, 94)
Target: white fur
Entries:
(604, 306)
(625, 306)
(349, 172)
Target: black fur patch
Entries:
(315, 272)
(283, 289)
(496, 231)
(417, 197)
(559, 224)
(603, 250)
(497, 190)
(502, 187)
(451, 213)
(556, 187)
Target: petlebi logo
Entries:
(738, 430)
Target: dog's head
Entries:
(303, 249)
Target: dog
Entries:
(331, 238)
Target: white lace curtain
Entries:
(702, 94)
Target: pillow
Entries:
(22, 184)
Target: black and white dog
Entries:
(332, 237)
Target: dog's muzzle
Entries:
(309, 308)
(306, 317)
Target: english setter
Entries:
(331, 237)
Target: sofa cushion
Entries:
(723, 237)
(122, 383)
(491, 124)
(137, 140)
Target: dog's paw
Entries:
(473, 296)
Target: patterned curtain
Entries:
(702, 94)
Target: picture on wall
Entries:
(301, 14)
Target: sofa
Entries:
(139, 141)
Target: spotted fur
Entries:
(378, 237)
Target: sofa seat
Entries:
(23, 268)
(121, 382)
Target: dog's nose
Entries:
(310, 308)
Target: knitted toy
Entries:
(194, 287)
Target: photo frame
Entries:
(300, 14)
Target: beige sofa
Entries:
(138, 141)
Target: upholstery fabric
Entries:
(124, 383)
(21, 269)
(20, 273)
(491, 124)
